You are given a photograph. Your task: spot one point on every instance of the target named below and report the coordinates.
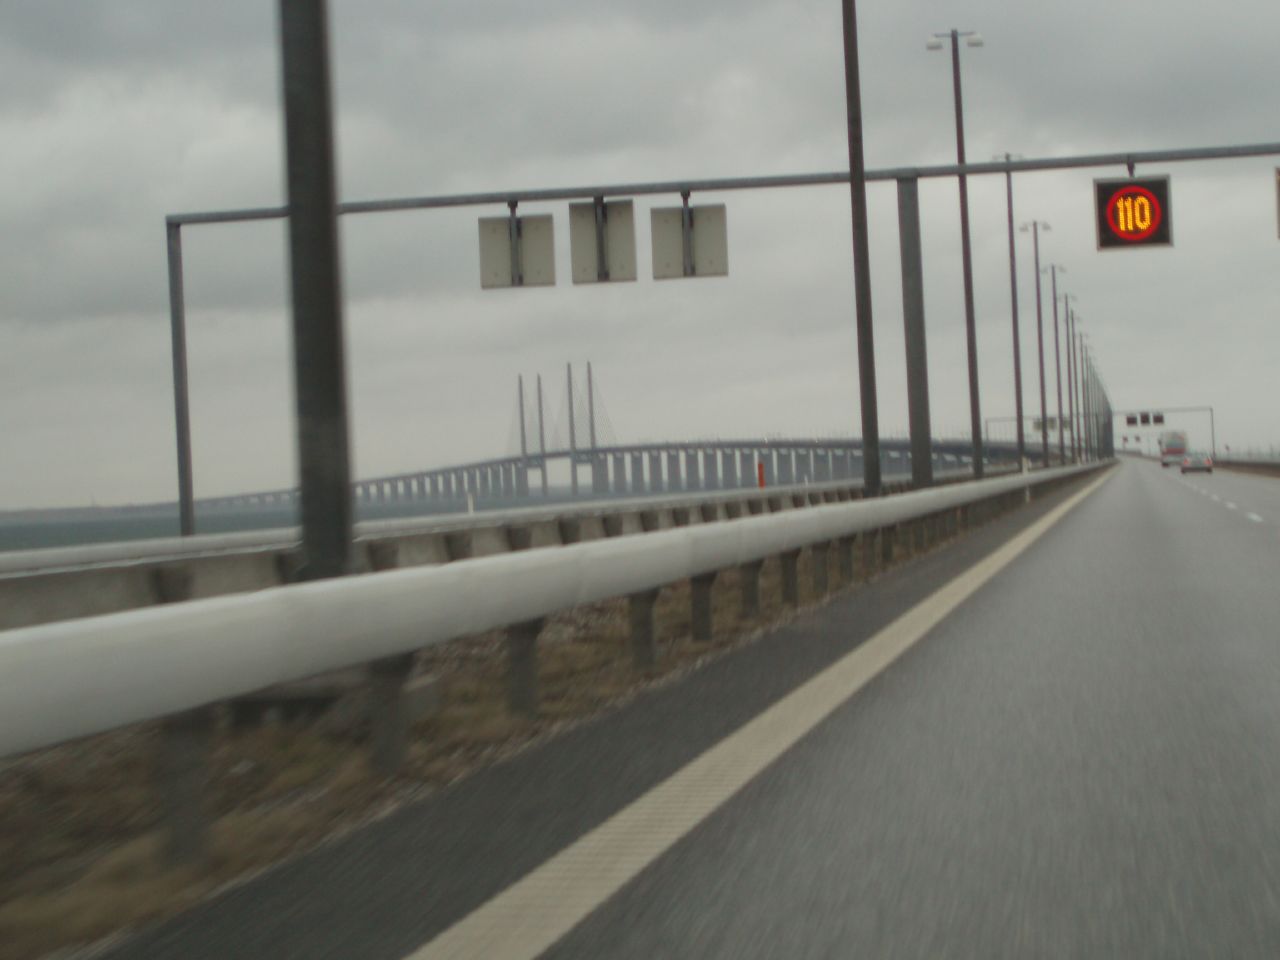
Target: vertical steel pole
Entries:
(1213, 437)
(1085, 410)
(181, 398)
(1057, 365)
(1091, 384)
(319, 363)
(913, 322)
(1044, 412)
(1069, 332)
(861, 255)
(591, 408)
(524, 443)
(542, 438)
(1079, 425)
(966, 256)
(573, 437)
(1013, 300)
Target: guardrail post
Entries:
(888, 544)
(749, 574)
(388, 719)
(522, 667)
(643, 644)
(870, 553)
(790, 578)
(186, 740)
(820, 553)
(918, 535)
(844, 559)
(700, 601)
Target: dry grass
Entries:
(80, 841)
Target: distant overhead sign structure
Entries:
(689, 241)
(517, 251)
(1133, 213)
(602, 241)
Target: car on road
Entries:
(1197, 461)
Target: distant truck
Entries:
(1173, 447)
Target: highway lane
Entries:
(1080, 761)
(1254, 497)
(1084, 761)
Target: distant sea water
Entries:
(40, 529)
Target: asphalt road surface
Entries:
(1076, 754)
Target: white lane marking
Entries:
(1229, 505)
(540, 908)
(1254, 517)
(1215, 498)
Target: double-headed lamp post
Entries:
(1013, 300)
(971, 39)
(1035, 226)
(1055, 269)
(1069, 331)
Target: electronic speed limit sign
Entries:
(1133, 213)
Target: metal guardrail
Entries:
(63, 583)
(69, 679)
(280, 538)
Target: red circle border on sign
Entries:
(1157, 213)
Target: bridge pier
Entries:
(823, 471)
(619, 473)
(674, 480)
(786, 467)
(522, 478)
(747, 460)
(655, 472)
(637, 473)
(710, 472)
(435, 487)
(692, 480)
(728, 469)
(599, 473)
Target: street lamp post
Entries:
(1013, 300)
(1069, 329)
(1054, 269)
(1082, 367)
(975, 414)
(1035, 226)
(861, 255)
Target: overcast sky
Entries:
(114, 114)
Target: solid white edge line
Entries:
(536, 911)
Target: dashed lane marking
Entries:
(1254, 517)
